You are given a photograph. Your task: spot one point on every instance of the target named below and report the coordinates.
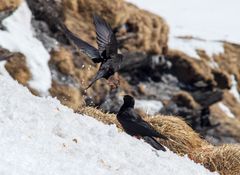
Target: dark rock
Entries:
(207, 98)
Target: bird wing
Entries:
(86, 48)
(107, 43)
(103, 72)
(137, 125)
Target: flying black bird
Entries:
(107, 52)
(134, 125)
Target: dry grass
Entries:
(100, 116)
(9, 4)
(183, 140)
(224, 159)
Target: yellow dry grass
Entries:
(182, 138)
(224, 159)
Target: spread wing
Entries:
(107, 43)
(86, 48)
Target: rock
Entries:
(222, 79)
(190, 70)
(207, 98)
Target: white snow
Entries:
(226, 110)
(234, 88)
(151, 107)
(19, 37)
(40, 136)
(189, 46)
(213, 21)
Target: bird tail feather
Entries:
(100, 74)
(154, 143)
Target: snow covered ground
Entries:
(19, 37)
(40, 136)
(211, 21)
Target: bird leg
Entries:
(114, 81)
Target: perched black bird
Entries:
(134, 125)
(107, 52)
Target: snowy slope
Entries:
(40, 136)
(210, 21)
(19, 37)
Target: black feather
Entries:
(86, 48)
(154, 143)
(132, 123)
(106, 39)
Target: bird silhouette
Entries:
(134, 125)
(107, 52)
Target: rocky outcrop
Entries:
(189, 70)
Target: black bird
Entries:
(107, 52)
(134, 125)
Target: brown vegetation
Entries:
(17, 68)
(9, 4)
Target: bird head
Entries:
(128, 101)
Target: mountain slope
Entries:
(40, 136)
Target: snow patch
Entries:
(19, 37)
(189, 46)
(40, 136)
(234, 88)
(150, 107)
(226, 110)
(213, 20)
